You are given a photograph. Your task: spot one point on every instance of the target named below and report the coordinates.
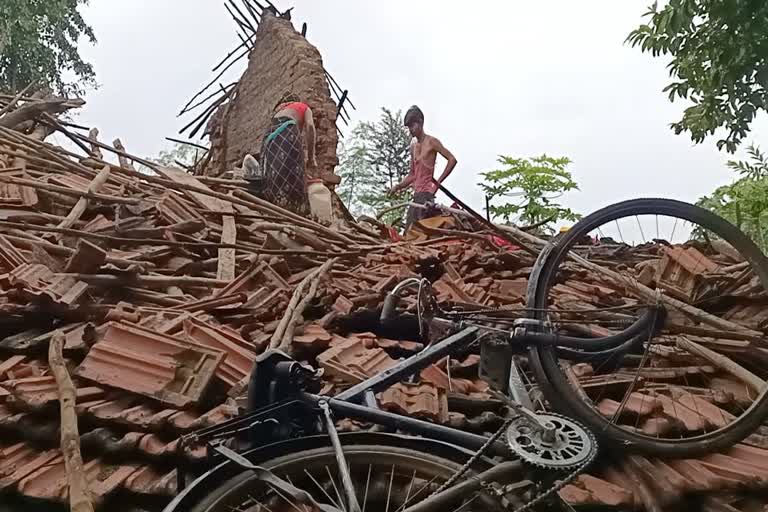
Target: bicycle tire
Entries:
(238, 487)
(555, 384)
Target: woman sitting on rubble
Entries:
(283, 155)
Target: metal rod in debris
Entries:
(499, 232)
(254, 13)
(444, 209)
(336, 84)
(243, 20)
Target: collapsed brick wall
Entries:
(282, 60)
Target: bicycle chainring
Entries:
(568, 445)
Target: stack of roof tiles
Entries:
(167, 286)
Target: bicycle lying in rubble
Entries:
(657, 358)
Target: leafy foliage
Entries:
(38, 44)
(755, 170)
(745, 201)
(537, 182)
(374, 159)
(719, 51)
(354, 175)
(180, 153)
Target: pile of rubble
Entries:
(165, 286)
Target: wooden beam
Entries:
(77, 211)
(79, 496)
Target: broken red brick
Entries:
(352, 362)
(35, 393)
(638, 404)
(239, 359)
(135, 359)
(343, 305)
(418, 400)
(588, 490)
(9, 364)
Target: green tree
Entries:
(537, 182)
(38, 45)
(183, 154)
(355, 175)
(745, 201)
(376, 157)
(719, 51)
(178, 155)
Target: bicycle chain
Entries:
(479, 453)
(488, 486)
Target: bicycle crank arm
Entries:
(525, 413)
(280, 486)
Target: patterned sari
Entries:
(283, 165)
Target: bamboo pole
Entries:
(19, 97)
(171, 243)
(722, 362)
(298, 312)
(67, 191)
(643, 291)
(79, 496)
(77, 211)
(93, 135)
(148, 281)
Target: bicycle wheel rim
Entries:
(564, 395)
(396, 476)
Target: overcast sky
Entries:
(493, 77)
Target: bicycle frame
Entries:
(281, 394)
(359, 402)
(348, 404)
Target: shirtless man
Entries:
(423, 157)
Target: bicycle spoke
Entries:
(410, 486)
(314, 480)
(335, 488)
(288, 500)
(634, 381)
(426, 485)
(640, 227)
(367, 485)
(463, 505)
(389, 491)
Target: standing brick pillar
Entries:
(282, 60)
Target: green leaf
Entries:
(745, 201)
(39, 44)
(718, 63)
(375, 157)
(524, 190)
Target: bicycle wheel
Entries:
(387, 478)
(695, 385)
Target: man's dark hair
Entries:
(414, 114)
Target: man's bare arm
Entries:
(407, 180)
(403, 184)
(309, 127)
(448, 156)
